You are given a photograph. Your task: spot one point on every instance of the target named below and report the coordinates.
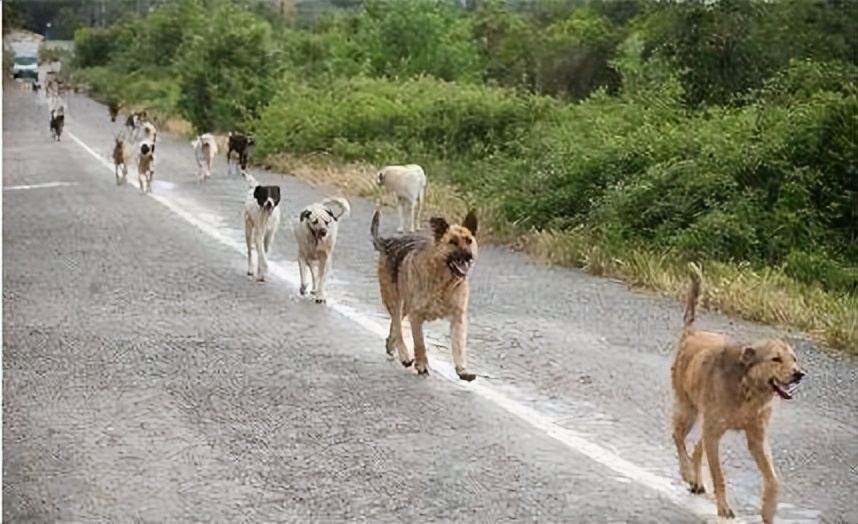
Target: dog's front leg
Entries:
(758, 445)
(421, 361)
(303, 267)
(248, 230)
(401, 203)
(711, 439)
(261, 257)
(324, 266)
(458, 336)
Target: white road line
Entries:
(39, 186)
(670, 489)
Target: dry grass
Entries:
(764, 296)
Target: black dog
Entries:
(57, 122)
(242, 145)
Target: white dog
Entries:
(261, 220)
(149, 131)
(408, 183)
(316, 234)
(205, 150)
(145, 164)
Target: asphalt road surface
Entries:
(147, 379)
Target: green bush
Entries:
(227, 70)
(382, 120)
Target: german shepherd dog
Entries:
(425, 277)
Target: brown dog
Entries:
(731, 387)
(426, 278)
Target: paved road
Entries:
(147, 379)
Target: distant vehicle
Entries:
(25, 67)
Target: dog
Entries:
(242, 146)
(205, 150)
(261, 221)
(425, 277)
(316, 235)
(408, 183)
(121, 154)
(57, 122)
(134, 121)
(730, 386)
(149, 131)
(113, 109)
(145, 164)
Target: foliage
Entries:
(227, 69)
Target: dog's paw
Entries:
(406, 363)
(696, 488)
(725, 511)
(302, 290)
(464, 375)
(321, 300)
(421, 367)
(260, 278)
(389, 346)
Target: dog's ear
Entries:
(275, 195)
(749, 354)
(305, 215)
(259, 194)
(439, 226)
(328, 211)
(470, 222)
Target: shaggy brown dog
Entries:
(731, 387)
(426, 278)
(113, 109)
(121, 154)
(241, 145)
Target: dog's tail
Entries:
(373, 231)
(339, 202)
(251, 180)
(693, 297)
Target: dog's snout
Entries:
(798, 374)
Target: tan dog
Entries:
(426, 278)
(145, 165)
(731, 387)
(316, 235)
(122, 153)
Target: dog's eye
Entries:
(453, 242)
(778, 359)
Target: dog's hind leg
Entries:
(458, 336)
(393, 304)
(759, 447)
(683, 420)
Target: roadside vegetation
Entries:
(626, 138)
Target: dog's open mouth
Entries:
(459, 265)
(786, 391)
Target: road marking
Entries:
(39, 186)
(672, 490)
